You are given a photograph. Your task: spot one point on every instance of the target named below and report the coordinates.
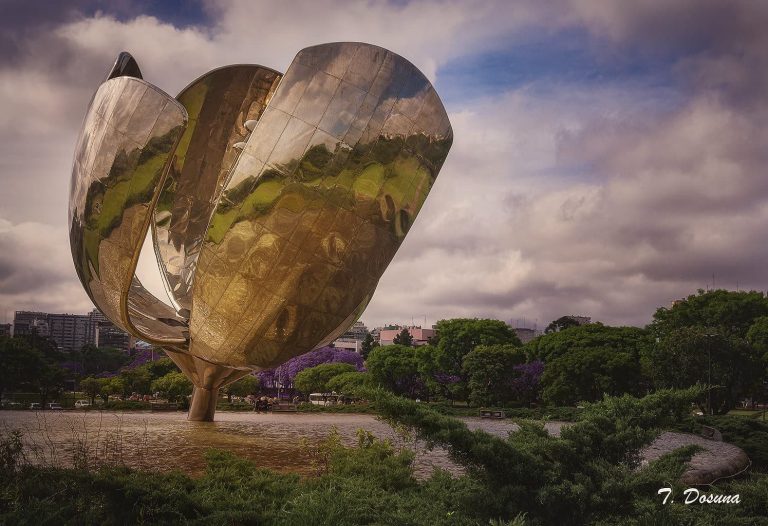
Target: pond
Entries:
(168, 441)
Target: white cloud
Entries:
(606, 201)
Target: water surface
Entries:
(168, 441)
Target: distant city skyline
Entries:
(607, 157)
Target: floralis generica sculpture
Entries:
(275, 202)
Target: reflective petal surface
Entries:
(129, 134)
(218, 105)
(319, 200)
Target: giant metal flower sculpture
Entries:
(275, 202)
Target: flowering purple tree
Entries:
(283, 375)
(142, 357)
(528, 382)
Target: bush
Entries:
(587, 476)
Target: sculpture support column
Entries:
(207, 378)
(203, 405)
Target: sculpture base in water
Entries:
(203, 405)
(207, 379)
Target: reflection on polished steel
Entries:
(275, 202)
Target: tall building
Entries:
(104, 333)
(70, 331)
(353, 338)
(26, 323)
(525, 334)
(5, 329)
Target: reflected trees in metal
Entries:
(275, 202)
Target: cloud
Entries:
(36, 269)
(605, 199)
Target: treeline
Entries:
(33, 364)
(717, 338)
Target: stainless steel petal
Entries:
(218, 104)
(130, 131)
(328, 185)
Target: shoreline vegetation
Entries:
(588, 475)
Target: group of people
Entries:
(264, 404)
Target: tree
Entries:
(284, 375)
(546, 477)
(396, 367)
(583, 363)
(137, 380)
(526, 386)
(91, 387)
(560, 324)
(439, 384)
(404, 338)
(691, 355)
(114, 386)
(460, 336)
(490, 370)
(348, 383)
(757, 336)
(315, 379)
(95, 360)
(49, 381)
(368, 344)
(161, 367)
(173, 386)
(19, 364)
(245, 386)
(728, 311)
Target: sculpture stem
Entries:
(203, 405)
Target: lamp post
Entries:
(709, 371)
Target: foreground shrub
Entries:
(589, 475)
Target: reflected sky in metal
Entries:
(218, 105)
(128, 137)
(271, 241)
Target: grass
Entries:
(749, 413)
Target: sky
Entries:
(609, 157)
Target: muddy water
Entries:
(167, 441)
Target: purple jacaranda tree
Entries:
(143, 357)
(412, 386)
(283, 375)
(446, 378)
(526, 385)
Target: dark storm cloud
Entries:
(23, 21)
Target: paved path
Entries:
(718, 460)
